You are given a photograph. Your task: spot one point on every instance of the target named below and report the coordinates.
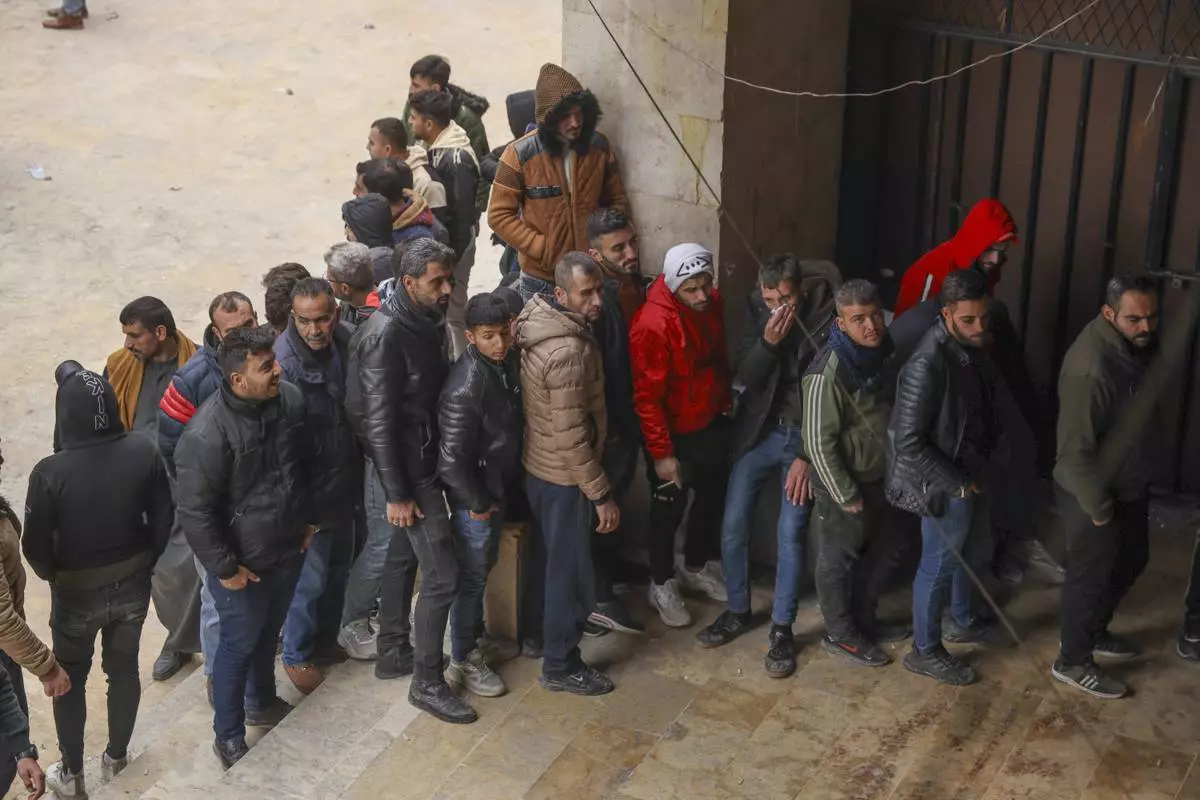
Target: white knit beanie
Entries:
(685, 261)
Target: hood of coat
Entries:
(454, 137)
(987, 223)
(416, 212)
(698, 327)
(370, 219)
(557, 90)
(460, 97)
(85, 411)
(540, 320)
(818, 281)
(418, 156)
(520, 107)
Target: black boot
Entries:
(781, 652)
(725, 628)
(394, 662)
(438, 700)
(230, 751)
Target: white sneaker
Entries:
(710, 580)
(474, 673)
(111, 767)
(669, 603)
(358, 640)
(65, 785)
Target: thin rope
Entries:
(847, 95)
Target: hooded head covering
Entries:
(557, 90)
(370, 219)
(987, 223)
(685, 261)
(85, 408)
(520, 106)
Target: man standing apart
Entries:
(787, 320)
(550, 180)
(1103, 473)
(244, 489)
(398, 366)
(681, 393)
(562, 384)
(458, 167)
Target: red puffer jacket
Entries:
(680, 365)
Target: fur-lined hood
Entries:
(461, 97)
(558, 90)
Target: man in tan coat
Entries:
(562, 383)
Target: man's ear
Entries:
(160, 333)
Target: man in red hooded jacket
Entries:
(981, 243)
(681, 391)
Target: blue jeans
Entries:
(362, 590)
(74, 7)
(316, 610)
(527, 286)
(476, 543)
(773, 454)
(210, 624)
(940, 576)
(251, 618)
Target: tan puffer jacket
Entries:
(562, 382)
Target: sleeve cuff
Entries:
(599, 501)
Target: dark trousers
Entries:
(251, 619)
(566, 519)
(1103, 562)
(175, 588)
(1191, 618)
(429, 544)
(857, 553)
(704, 464)
(8, 764)
(620, 465)
(117, 612)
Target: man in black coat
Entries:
(244, 477)
(398, 365)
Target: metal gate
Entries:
(1084, 136)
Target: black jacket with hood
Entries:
(99, 510)
(757, 370)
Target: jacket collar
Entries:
(949, 343)
(255, 409)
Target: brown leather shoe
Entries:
(63, 22)
(57, 12)
(305, 677)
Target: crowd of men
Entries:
(281, 485)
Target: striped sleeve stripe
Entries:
(812, 435)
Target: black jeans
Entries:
(566, 519)
(116, 612)
(857, 553)
(8, 764)
(704, 465)
(620, 465)
(1191, 617)
(1103, 561)
(429, 545)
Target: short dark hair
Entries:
(277, 302)
(564, 270)
(239, 344)
(227, 302)
(420, 254)
(393, 130)
(604, 221)
(436, 68)
(486, 309)
(149, 312)
(1120, 285)
(288, 270)
(433, 104)
(388, 177)
(512, 299)
(779, 268)
(314, 287)
(963, 285)
(856, 292)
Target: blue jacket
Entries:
(195, 382)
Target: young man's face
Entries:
(377, 145)
(360, 188)
(1135, 317)
(863, 324)
(225, 321)
(585, 297)
(315, 318)
(618, 251)
(696, 293)
(570, 124)
(992, 259)
(420, 84)
(259, 377)
(422, 126)
(144, 344)
(432, 290)
(969, 321)
(493, 341)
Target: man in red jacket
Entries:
(681, 391)
(981, 243)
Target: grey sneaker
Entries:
(668, 602)
(1042, 564)
(1091, 679)
(709, 580)
(64, 784)
(474, 673)
(111, 767)
(358, 640)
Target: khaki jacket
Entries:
(562, 383)
(16, 639)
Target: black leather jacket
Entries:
(244, 489)
(397, 368)
(481, 426)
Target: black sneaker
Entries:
(585, 680)
(780, 661)
(531, 647)
(614, 616)
(724, 629)
(230, 751)
(980, 631)
(438, 700)
(1114, 648)
(1188, 647)
(856, 650)
(1091, 679)
(394, 663)
(270, 715)
(941, 666)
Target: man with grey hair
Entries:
(349, 272)
(848, 392)
(397, 366)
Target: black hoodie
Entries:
(99, 510)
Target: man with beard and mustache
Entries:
(1102, 498)
(951, 424)
(398, 365)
